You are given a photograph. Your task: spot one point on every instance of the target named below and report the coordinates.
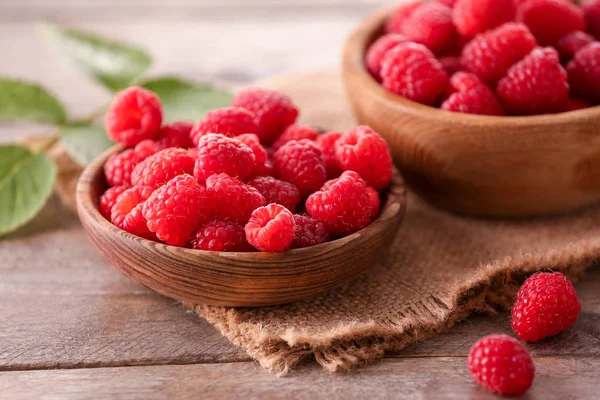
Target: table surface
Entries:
(73, 327)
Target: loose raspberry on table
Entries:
(228, 121)
(295, 132)
(550, 20)
(301, 163)
(220, 154)
(571, 43)
(378, 49)
(431, 25)
(491, 54)
(126, 213)
(375, 202)
(308, 232)
(411, 70)
(231, 199)
(176, 134)
(326, 143)
(501, 364)
(175, 210)
(273, 111)
(109, 198)
(472, 17)
(276, 191)
(271, 228)
(546, 305)
(134, 115)
(220, 235)
(575, 104)
(261, 156)
(344, 206)
(451, 64)
(163, 166)
(535, 85)
(584, 73)
(362, 150)
(396, 22)
(119, 166)
(591, 11)
(472, 96)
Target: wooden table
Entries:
(73, 327)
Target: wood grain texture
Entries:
(479, 165)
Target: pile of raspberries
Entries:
(492, 57)
(243, 178)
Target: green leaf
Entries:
(26, 181)
(23, 101)
(113, 64)
(187, 100)
(85, 142)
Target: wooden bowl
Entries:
(236, 279)
(478, 165)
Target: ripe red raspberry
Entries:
(546, 305)
(119, 166)
(295, 132)
(221, 154)
(571, 43)
(501, 364)
(276, 191)
(231, 199)
(175, 210)
(449, 3)
(218, 235)
(145, 149)
(327, 142)
(134, 115)
(491, 54)
(270, 228)
(260, 154)
(375, 202)
(472, 17)
(161, 167)
(451, 64)
(472, 96)
(109, 198)
(273, 111)
(266, 169)
(228, 121)
(575, 104)
(396, 21)
(176, 134)
(378, 49)
(550, 20)
(584, 73)
(362, 150)
(535, 85)
(411, 70)
(126, 213)
(431, 25)
(344, 206)
(301, 163)
(308, 232)
(591, 11)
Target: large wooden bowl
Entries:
(236, 279)
(478, 165)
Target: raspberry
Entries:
(109, 198)
(266, 169)
(260, 154)
(228, 121)
(591, 11)
(344, 206)
(119, 166)
(577, 104)
(491, 54)
(411, 70)
(126, 213)
(276, 191)
(571, 43)
(546, 305)
(270, 228)
(301, 163)
(472, 96)
(295, 132)
(550, 20)
(362, 150)
(134, 115)
(161, 167)
(535, 85)
(217, 235)
(176, 134)
(273, 111)
(308, 232)
(327, 142)
(375, 202)
(221, 154)
(231, 199)
(175, 210)
(449, 3)
(451, 64)
(378, 49)
(472, 17)
(584, 73)
(145, 149)
(431, 25)
(501, 364)
(396, 21)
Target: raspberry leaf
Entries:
(113, 64)
(85, 142)
(185, 100)
(23, 101)
(26, 181)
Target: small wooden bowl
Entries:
(478, 165)
(236, 279)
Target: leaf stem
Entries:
(94, 115)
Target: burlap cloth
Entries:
(441, 268)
